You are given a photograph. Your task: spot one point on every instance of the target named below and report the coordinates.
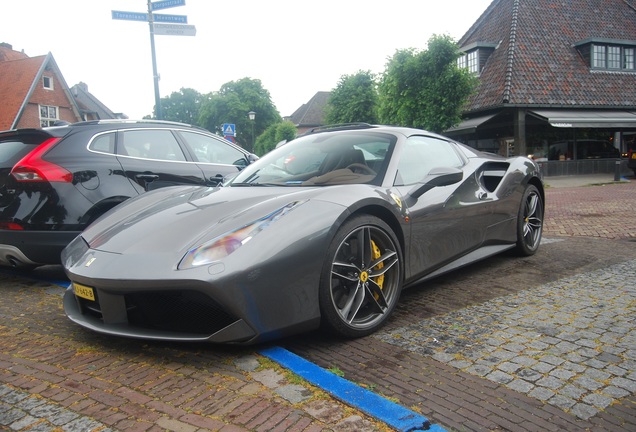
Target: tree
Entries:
(232, 103)
(182, 106)
(284, 131)
(425, 89)
(355, 99)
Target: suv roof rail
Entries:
(128, 121)
(339, 126)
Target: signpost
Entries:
(161, 24)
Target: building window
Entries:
(615, 57)
(472, 61)
(461, 62)
(48, 115)
(47, 83)
(469, 61)
(628, 59)
(598, 56)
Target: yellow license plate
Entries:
(84, 291)
(634, 155)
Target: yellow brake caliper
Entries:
(375, 255)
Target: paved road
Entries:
(542, 343)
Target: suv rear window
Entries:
(12, 151)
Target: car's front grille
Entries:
(180, 311)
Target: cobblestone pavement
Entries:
(593, 211)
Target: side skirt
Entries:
(474, 256)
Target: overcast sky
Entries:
(295, 48)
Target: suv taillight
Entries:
(32, 168)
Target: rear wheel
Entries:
(530, 222)
(361, 279)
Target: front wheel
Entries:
(361, 279)
(529, 222)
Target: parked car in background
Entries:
(55, 181)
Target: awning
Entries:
(469, 126)
(587, 119)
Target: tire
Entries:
(359, 287)
(530, 222)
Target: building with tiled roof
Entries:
(312, 113)
(34, 93)
(557, 79)
(90, 107)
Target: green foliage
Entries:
(182, 106)
(284, 131)
(355, 99)
(232, 103)
(336, 371)
(425, 89)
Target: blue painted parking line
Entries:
(370, 403)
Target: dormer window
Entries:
(473, 57)
(469, 61)
(47, 82)
(604, 54)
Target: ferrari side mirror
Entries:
(443, 176)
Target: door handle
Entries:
(147, 177)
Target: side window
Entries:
(420, 155)
(150, 144)
(210, 150)
(104, 143)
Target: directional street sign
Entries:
(140, 16)
(175, 29)
(180, 19)
(130, 16)
(165, 4)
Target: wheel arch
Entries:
(385, 215)
(535, 181)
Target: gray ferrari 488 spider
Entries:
(326, 229)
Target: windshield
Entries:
(352, 157)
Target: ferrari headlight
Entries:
(222, 246)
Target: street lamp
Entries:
(252, 116)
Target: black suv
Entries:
(55, 181)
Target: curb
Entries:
(370, 403)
